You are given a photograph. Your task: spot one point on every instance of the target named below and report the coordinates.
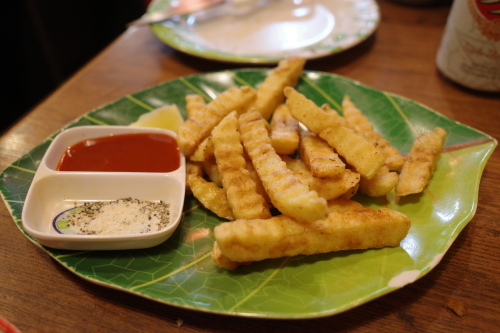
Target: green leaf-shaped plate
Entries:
(181, 273)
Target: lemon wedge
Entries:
(167, 117)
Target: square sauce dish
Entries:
(107, 188)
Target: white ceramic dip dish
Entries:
(52, 192)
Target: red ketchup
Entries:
(137, 152)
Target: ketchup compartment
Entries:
(134, 152)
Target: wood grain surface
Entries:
(39, 295)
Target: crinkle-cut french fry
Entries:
(204, 151)
(222, 261)
(328, 188)
(192, 170)
(421, 162)
(363, 126)
(194, 103)
(217, 256)
(343, 205)
(356, 119)
(260, 187)
(286, 191)
(328, 109)
(351, 192)
(331, 188)
(394, 160)
(355, 149)
(281, 236)
(210, 168)
(284, 131)
(339, 205)
(383, 182)
(320, 157)
(241, 191)
(270, 91)
(194, 130)
(209, 194)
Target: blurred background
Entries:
(45, 41)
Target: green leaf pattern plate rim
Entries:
(180, 271)
(355, 21)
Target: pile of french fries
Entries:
(287, 191)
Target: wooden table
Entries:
(38, 295)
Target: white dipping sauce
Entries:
(123, 216)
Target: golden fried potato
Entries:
(284, 131)
(210, 169)
(204, 151)
(209, 194)
(332, 188)
(280, 236)
(343, 205)
(354, 148)
(328, 109)
(320, 157)
(363, 126)
(356, 119)
(192, 170)
(270, 91)
(394, 159)
(328, 188)
(339, 205)
(194, 103)
(255, 176)
(286, 191)
(241, 191)
(351, 192)
(239, 166)
(222, 261)
(195, 129)
(421, 162)
(383, 182)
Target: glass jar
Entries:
(469, 53)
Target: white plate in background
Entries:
(271, 32)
